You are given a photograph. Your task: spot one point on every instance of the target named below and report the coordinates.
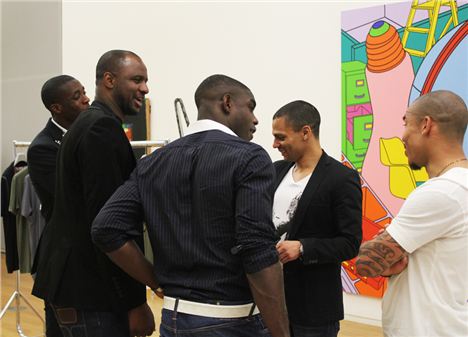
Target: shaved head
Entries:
(111, 61)
(215, 86)
(446, 108)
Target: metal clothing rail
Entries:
(134, 143)
(17, 295)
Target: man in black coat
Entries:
(89, 294)
(65, 98)
(317, 212)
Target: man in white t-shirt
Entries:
(425, 248)
(317, 211)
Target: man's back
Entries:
(201, 213)
(432, 226)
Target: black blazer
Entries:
(94, 159)
(42, 158)
(328, 222)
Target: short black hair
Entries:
(51, 90)
(206, 88)
(111, 61)
(300, 113)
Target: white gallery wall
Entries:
(31, 52)
(282, 50)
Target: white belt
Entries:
(210, 310)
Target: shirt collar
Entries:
(206, 125)
(106, 109)
(59, 126)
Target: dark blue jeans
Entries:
(80, 323)
(185, 325)
(328, 330)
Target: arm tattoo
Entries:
(379, 254)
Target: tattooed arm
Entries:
(379, 255)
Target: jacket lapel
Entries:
(286, 165)
(315, 180)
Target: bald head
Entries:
(447, 109)
(112, 61)
(215, 87)
(227, 101)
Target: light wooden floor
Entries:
(32, 326)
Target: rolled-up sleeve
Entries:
(121, 218)
(255, 235)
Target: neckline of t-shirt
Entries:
(291, 171)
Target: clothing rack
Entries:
(17, 295)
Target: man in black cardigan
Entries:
(89, 294)
(65, 98)
(317, 212)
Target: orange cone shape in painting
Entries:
(384, 48)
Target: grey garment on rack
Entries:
(31, 210)
(22, 227)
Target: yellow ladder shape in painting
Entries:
(432, 7)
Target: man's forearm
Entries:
(378, 255)
(267, 287)
(132, 261)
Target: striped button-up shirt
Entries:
(207, 202)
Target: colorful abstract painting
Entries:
(392, 54)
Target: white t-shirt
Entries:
(287, 197)
(430, 297)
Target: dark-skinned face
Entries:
(130, 86)
(73, 101)
(242, 119)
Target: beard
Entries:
(125, 104)
(415, 166)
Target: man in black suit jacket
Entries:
(89, 294)
(317, 212)
(65, 98)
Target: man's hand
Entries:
(397, 268)
(141, 321)
(288, 250)
(159, 292)
(268, 291)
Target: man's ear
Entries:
(306, 132)
(227, 104)
(426, 125)
(56, 108)
(108, 80)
